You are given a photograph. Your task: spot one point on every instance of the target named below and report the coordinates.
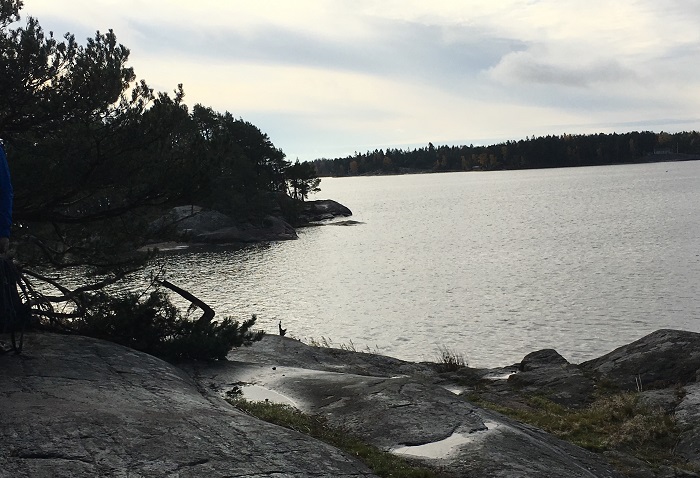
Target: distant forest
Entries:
(535, 152)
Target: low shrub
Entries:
(152, 324)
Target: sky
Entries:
(328, 78)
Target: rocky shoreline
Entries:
(79, 407)
(194, 225)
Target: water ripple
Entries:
(492, 265)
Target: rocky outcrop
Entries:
(183, 221)
(194, 224)
(655, 365)
(322, 210)
(79, 407)
(662, 368)
(547, 373)
(661, 359)
(688, 415)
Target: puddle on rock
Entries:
(455, 390)
(500, 376)
(256, 393)
(446, 447)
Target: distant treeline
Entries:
(535, 152)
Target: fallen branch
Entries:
(207, 312)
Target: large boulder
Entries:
(661, 359)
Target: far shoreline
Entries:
(411, 172)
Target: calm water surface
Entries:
(492, 265)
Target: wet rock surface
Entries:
(79, 407)
(399, 405)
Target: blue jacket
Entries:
(6, 195)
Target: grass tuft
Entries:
(449, 361)
(327, 343)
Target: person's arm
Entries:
(6, 196)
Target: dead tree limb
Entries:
(207, 312)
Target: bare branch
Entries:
(207, 312)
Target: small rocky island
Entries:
(80, 407)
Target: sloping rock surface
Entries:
(688, 415)
(78, 407)
(662, 358)
(397, 406)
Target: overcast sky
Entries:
(327, 78)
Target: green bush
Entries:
(152, 324)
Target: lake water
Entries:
(492, 265)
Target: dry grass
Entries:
(448, 360)
(615, 422)
(327, 343)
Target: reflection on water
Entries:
(492, 265)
